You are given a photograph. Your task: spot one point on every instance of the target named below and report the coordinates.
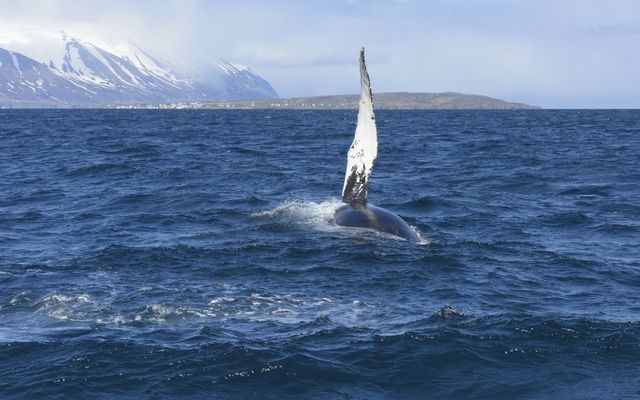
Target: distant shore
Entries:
(391, 101)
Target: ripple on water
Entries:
(174, 253)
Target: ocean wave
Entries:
(588, 190)
(233, 304)
(565, 219)
(448, 312)
(618, 229)
(61, 306)
(158, 254)
(425, 203)
(98, 169)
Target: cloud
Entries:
(569, 53)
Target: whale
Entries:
(356, 212)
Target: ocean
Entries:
(191, 254)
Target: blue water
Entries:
(164, 254)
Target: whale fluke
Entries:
(364, 149)
(362, 155)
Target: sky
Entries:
(550, 53)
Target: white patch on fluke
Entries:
(364, 149)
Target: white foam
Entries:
(160, 313)
(423, 238)
(225, 302)
(307, 213)
(284, 308)
(55, 299)
(65, 307)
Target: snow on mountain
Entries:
(241, 82)
(83, 73)
(232, 69)
(146, 63)
(26, 82)
(117, 65)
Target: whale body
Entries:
(360, 159)
(376, 218)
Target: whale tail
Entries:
(364, 149)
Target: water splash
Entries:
(320, 217)
(314, 215)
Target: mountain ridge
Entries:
(87, 75)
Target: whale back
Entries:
(376, 218)
(364, 149)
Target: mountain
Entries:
(84, 74)
(394, 100)
(26, 82)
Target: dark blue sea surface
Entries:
(166, 254)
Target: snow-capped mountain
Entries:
(85, 74)
(25, 82)
(241, 83)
